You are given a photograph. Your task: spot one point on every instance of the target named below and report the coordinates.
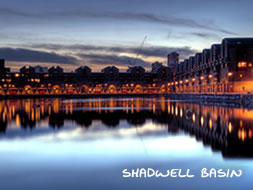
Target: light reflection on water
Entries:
(72, 144)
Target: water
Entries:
(86, 143)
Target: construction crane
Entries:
(138, 52)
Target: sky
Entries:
(99, 33)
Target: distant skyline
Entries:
(99, 33)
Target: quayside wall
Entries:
(232, 100)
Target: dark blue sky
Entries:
(103, 32)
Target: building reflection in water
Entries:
(224, 129)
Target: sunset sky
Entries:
(98, 33)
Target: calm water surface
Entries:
(86, 143)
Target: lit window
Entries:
(242, 64)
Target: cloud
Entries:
(7, 11)
(116, 60)
(128, 16)
(93, 56)
(204, 35)
(27, 55)
(164, 51)
(175, 21)
(150, 51)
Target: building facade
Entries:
(43, 81)
(224, 68)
